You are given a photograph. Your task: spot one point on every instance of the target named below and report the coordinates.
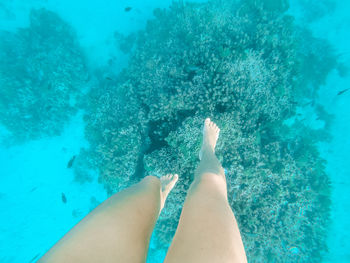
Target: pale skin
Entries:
(119, 229)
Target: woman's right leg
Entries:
(207, 230)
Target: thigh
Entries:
(117, 231)
(207, 230)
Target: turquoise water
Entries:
(62, 89)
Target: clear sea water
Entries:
(34, 174)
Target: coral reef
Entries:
(246, 65)
(115, 128)
(42, 75)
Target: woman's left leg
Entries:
(119, 229)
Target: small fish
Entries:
(34, 258)
(109, 78)
(33, 189)
(127, 9)
(294, 250)
(64, 198)
(342, 91)
(192, 68)
(312, 103)
(71, 161)
(76, 213)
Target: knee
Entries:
(151, 181)
(149, 188)
(212, 178)
(217, 170)
(151, 178)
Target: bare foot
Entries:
(167, 183)
(210, 137)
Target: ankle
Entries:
(151, 180)
(207, 148)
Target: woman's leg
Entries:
(119, 229)
(207, 230)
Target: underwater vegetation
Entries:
(245, 64)
(42, 75)
(248, 66)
